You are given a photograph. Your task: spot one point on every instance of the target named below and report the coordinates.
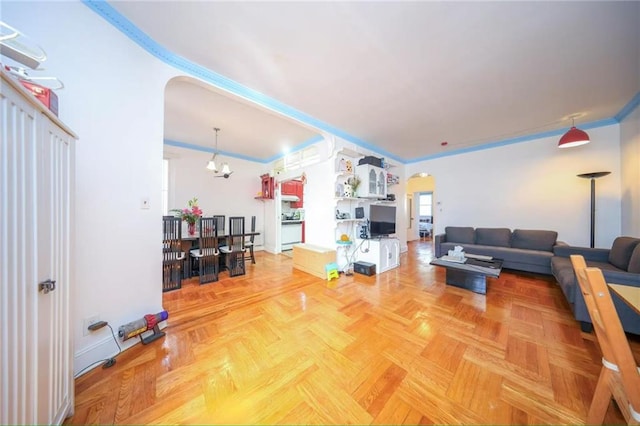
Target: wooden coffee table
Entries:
(472, 274)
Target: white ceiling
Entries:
(400, 76)
(193, 108)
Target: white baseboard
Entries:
(94, 355)
(99, 351)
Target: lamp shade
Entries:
(225, 169)
(573, 137)
(211, 165)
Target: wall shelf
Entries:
(348, 220)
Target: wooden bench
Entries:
(312, 259)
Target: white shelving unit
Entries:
(374, 181)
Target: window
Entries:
(165, 187)
(426, 204)
(296, 160)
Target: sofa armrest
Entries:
(560, 244)
(624, 278)
(438, 240)
(593, 254)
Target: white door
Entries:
(412, 231)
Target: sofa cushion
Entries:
(533, 239)
(634, 261)
(460, 234)
(621, 251)
(563, 272)
(500, 237)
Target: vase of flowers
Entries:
(190, 215)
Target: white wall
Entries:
(531, 185)
(630, 160)
(114, 100)
(189, 178)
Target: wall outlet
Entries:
(87, 322)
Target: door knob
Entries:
(47, 286)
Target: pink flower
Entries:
(190, 214)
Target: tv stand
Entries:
(384, 252)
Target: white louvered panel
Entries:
(19, 137)
(36, 208)
(55, 354)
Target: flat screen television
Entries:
(382, 220)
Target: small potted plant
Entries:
(353, 182)
(190, 214)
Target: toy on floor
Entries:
(332, 271)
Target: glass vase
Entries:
(192, 229)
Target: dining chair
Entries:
(234, 250)
(620, 376)
(219, 218)
(172, 254)
(248, 243)
(207, 253)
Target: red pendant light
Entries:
(573, 137)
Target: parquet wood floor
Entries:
(281, 346)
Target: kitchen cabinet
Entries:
(383, 252)
(294, 187)
(288, 188)
(373, 181)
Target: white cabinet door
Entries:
(389, 254)
(36, 171)
(54, 207)
(373, 181)
(383, 252)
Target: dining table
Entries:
(188, 242)
(629, 295)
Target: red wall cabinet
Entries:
(293, 187)
(288, 188)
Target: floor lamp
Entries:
(593, 176)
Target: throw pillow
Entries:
(634, 261)
(460, 234)
(621, 251)
(532, 239)
(499, 237)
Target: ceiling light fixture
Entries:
(573, 137)
(211, 165)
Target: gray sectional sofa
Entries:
(620, 265)
(523, 249)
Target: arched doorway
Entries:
(420, 206)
